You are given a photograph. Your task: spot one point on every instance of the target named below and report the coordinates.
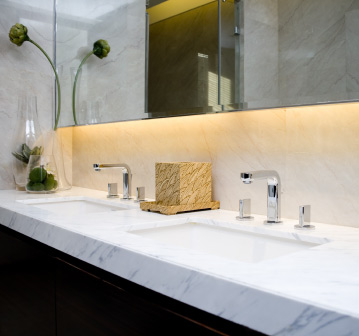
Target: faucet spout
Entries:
(274, 191)
(126, 175)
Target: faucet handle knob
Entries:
(140, 194)
(244, 210)
(112, 190)
(304, 218)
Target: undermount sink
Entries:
(224, 242)
(70, 206)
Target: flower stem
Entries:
(74, 88)
(57, 82)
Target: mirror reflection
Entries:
(180, 57)
(108, 89)
(298, 52)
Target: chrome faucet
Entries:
(126, 175)
(273, 196)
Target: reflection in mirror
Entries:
(108, 89)
(272, 53)
(205, 56)
(182, 57)
(293, 52)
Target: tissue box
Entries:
(183, 183)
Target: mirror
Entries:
(108, 89)
(181, 57)
(297, 52)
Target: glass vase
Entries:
(53, 147)
(26, 140)
(41, 175)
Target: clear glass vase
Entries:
(41, 175)
(26, 140)
(53, 147)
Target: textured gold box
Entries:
(183, 183)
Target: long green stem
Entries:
(57, 82)
(74, 88)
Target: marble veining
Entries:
(311, 292)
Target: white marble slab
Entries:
(311, 292)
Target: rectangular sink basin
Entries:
(224, 242)
(76, 205)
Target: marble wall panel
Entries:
(314, 149)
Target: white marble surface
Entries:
(312, 292)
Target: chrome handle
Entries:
(244, 210)
(112, 190)
(140, 194)
(126, 185)
(304, 218)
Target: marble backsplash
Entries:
(314, 149)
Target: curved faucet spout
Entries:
(274, 191)
(126, 175)
(271, 175)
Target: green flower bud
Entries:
(101, 48)
(18, 34)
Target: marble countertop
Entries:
(311, 292)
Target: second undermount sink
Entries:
(74, 205)
(224, 242)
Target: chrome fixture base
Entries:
(272, 222)
(304, 227)
(246, 218)
(113, 196)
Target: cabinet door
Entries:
(27, 293)
(86, 305)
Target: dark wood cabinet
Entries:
(27, 289)
(46, 292)
(88, 305)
